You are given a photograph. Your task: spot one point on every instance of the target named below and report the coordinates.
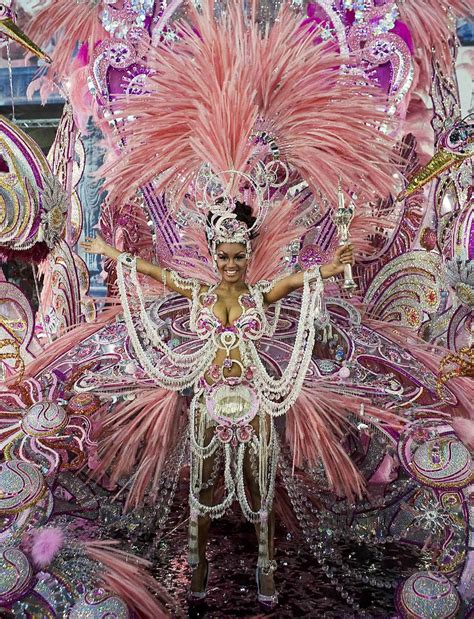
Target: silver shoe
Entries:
(199, 596)
(269, 602)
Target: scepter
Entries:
(342, 219)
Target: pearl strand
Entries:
(178, 359)
(167, 382)
(279, 387)
(217, 511)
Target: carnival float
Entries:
(94, 452)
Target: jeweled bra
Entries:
(249, 325)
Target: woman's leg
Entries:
(206, 497)
(267, 586)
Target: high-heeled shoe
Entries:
(200, 596)
(268, 602)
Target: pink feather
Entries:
(464, 428)
(315, 429)
(432, 25)
(74, 23)
(126, 575)
(209, 88)
(278, 232)
(47, 542)
(141, 434)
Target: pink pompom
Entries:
(46, 544)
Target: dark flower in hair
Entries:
(243, 213)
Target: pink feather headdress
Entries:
(224, 83)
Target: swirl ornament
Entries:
(464, 361)
(83, 404)
(16, 575)
(16, 329)
(44, 419)
(427, 594)
(33, 205)
(21, 485)
(26, 519)
(99, 605)
(442, 462)
(42, 431)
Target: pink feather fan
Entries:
(316, 427)
(223, 80)
(140, 434)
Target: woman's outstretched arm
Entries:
(287, 285)
(98, 245)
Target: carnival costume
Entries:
(232, 106)
(240, 140)
(230, 404)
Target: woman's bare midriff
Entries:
(234, 371)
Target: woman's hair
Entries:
(243, 213)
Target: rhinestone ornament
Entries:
(44, 419)
(16, 575)
(427, 594)
(21, 485)
(442, 462)
(99, 605)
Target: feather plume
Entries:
(326, 124)
(126, 575)
(432, 26)
(224, 79)
(315, 429)
(76, 23)
(267, 258)
(202, 109)
(141, 435)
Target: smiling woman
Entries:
(235, 401)
(234, 180)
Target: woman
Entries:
(235, 398)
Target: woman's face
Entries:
(232, 262)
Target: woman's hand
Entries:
(95, 245)
(344, 255)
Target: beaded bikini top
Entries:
(249, 325)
